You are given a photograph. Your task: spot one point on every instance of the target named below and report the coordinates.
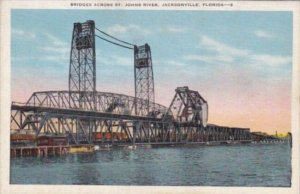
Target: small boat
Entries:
(81, 149)
(131, 147)
(96, 147)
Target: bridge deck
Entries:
(84, 113)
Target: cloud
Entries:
(57, 58)
(175, 63)
(173, 29)
(56, 49)
(271, 60)
(210, 59)
(54, 40)
(221, 48)
(118, 29)
(113, 60)
(122, 61)
(23, 34)
(264, 34)
(172, 70)
(221, 53)
(23, 58)
(51, 48)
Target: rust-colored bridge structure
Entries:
(86, 116)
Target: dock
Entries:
(44, 151)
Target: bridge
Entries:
(86, 116)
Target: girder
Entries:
(82, 127)
(76, 112)
(105, 102)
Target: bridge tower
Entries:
(144, 81)
(82, 71)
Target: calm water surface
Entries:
(239, 165)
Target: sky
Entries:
(240, 62)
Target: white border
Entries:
(5, 10)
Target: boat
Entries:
(131, 147)
(81, 149)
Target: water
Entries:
(246, 165)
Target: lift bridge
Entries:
(87, 116)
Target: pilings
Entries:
(39, 151)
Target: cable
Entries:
(113, 42)
(114, 37)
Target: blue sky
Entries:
(238, 61)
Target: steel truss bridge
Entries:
(85, 115)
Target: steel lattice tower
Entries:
(82, 72)
(144, 81)
(188, 106)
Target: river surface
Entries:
(235, 165)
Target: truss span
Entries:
(105, 102)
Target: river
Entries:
(234, 165)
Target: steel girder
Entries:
(104, 102)
(53, 112)
(81, 129)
